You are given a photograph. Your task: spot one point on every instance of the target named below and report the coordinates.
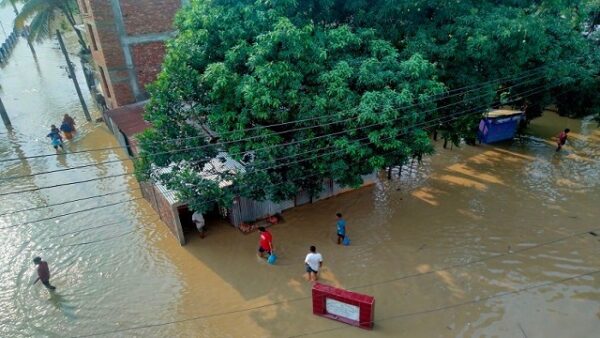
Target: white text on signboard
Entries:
(340, 309)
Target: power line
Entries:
(98, 240)
(70, 213)
(281, 144)
(279, 124)
(63, 184)
(96, 164)
(475, 300)
(67, 202)
(295, 162)
(224, 313)
(77, 232)
(264, 169)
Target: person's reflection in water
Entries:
(61, 303)
(62, 159)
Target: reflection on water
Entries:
(439, 245)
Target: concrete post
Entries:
(5, 118)
(73, 77)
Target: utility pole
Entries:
(12, 2)
(5, 118)
(72, 74)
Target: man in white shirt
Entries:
(198, 219)
(313, 263)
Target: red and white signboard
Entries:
(342, 305)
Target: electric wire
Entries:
(281, 144)
(105, 239)
(262, 169)
(70, 213)
(475, 300)
(96, 164)
(69, 201)
(64, 184)
(280, 302)
(276, 125)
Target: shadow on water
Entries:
(61, 303)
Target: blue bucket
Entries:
(272, 259)
(346, 241)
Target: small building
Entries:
(178, 216)
(127, 121)
(499, 125)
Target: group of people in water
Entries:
(67, 129)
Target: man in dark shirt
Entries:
(562, 139)
(43, 273)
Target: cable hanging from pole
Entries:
(512, 78)
(268, 147)
(126, 174)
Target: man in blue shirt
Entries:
(341, 228)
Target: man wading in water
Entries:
(562, 139)
(198, 219)
(43, 273)
(313, 263)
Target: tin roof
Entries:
(220, 164)
(129, 120)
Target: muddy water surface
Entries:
(445, 248)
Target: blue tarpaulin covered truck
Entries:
(499, 125)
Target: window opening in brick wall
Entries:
(104, 82)
(92, 36)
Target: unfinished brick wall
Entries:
(149, 16)
(129, 37)
(148, 58)
(163, 209)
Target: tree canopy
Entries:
(43, 14)
(305, 90)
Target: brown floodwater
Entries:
(476, 241)
(487, 241)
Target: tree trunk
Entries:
(68, 12)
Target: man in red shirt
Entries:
(266, 242)
(562, 139)
(43, 273)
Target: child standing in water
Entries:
(55, 138)
(341, 228)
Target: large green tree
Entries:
(41, 15)
(473, 41)
(250, 65)
(359, 75)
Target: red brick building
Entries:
(127, 40)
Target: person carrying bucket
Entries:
(341, 228)
(266, 242)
